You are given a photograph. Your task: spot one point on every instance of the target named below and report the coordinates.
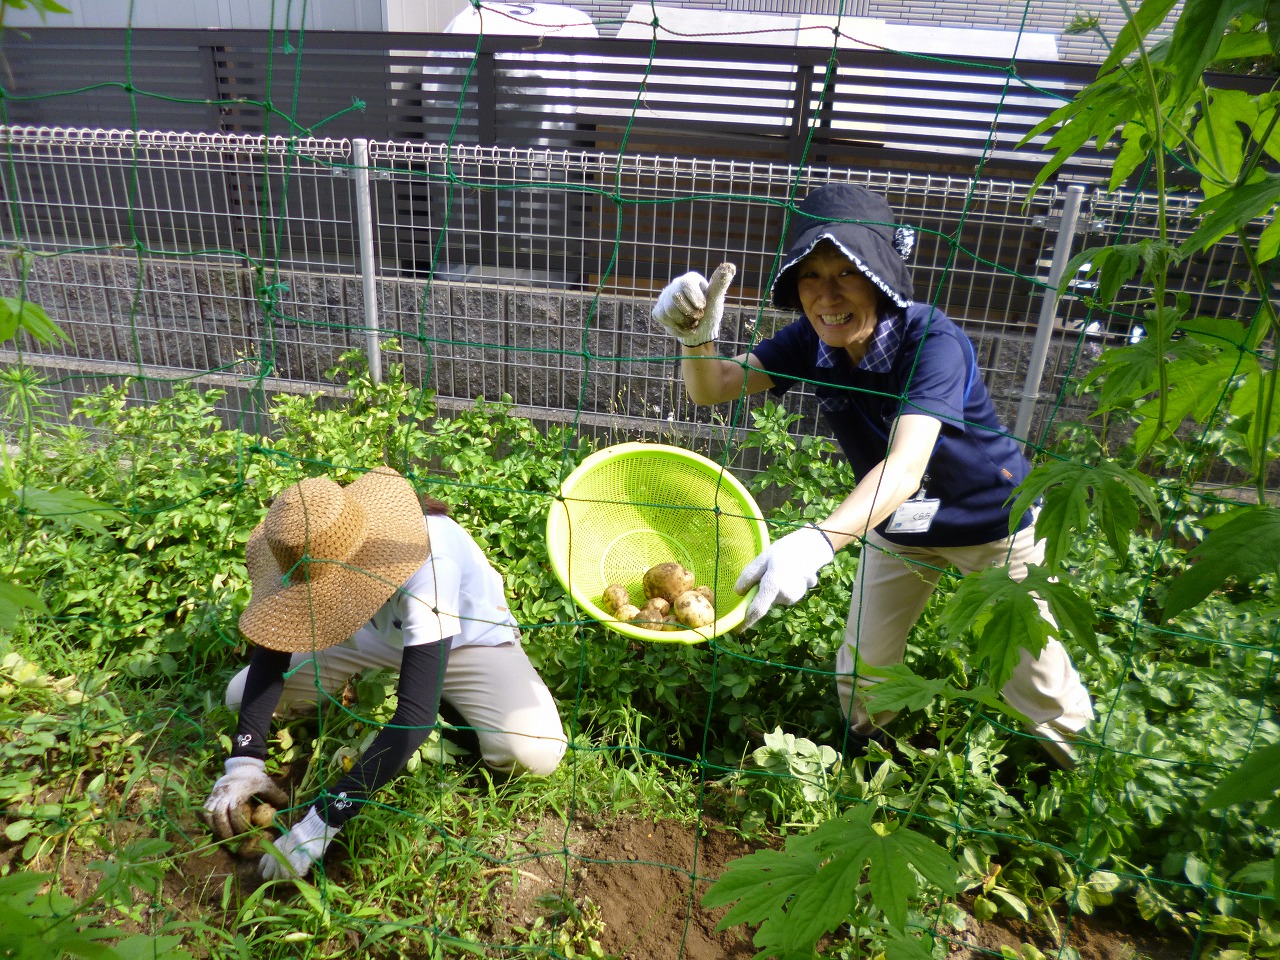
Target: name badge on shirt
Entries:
(915, 515)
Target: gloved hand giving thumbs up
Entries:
(691, 307)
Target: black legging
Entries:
(417, 706)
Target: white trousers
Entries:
(890, 590)
(495, 688)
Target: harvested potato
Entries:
(693, 609)
(264, 815)
(614, 596)
(651, 615)
(628, 611)
(250, 848)
(707, 592)
(667, 580)
(669, 622)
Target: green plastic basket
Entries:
(628, 507)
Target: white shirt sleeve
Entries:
(429, 602)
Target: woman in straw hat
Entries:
(898, 385)
(354, 577)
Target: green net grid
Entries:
(135, 248)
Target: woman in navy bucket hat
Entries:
(899, 387)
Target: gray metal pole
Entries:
(1048, 311)
(364, 222)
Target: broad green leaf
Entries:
(1257, 778)
(988, 697)
(901, 946)
(1005, 618)
(1076, 493)
(1196, 390)
(1135, 147)
(1244, 46)
(1148, 16)
(1197, 35)
(144, 946)
(1216, 332)
(1115, 267)
(1230, 209)
(1125, 373)
(67, 506)
(14, 600)
(890, 854)
(900, 690)
(1269, 241)
(782, 891)
(1220, 138)
(1095, 113)
(1257, 402)
(804, 891)
(1245, 548)
(18, 314)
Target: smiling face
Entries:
(839, 300)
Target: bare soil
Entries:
(643, 880)
(648, 878)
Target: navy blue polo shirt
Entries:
(919, 362)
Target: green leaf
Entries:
(806, 890)
(1196, 390)
(1257, 778)
(14, 599)
(1126, 373)
(1149, 16)
(18, 314)
(1076, 494)
(1269, 241)
(900, 946)
(1006, 619)
(1245, 548)
(1197, 35)
(1220, 138)
(1230, 210)
(1095, 113)
(1135, 147)
(1244, 46)
(1116, 265)
(1257, 403)
(900, 690)
(68, 506)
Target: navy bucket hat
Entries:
(861, 224)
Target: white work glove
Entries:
(302, 846)
(786, 571)
(691, 307)
(245, 777)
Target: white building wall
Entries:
(428, 16)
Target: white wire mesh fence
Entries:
(524, 273)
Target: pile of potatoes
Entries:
(263, 817)
(673, 600)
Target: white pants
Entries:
(495, 688)
(890, 590)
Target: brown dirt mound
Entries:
(643, 882)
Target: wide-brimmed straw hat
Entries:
(326, 557)
(861, 224)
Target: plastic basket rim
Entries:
(559, 511)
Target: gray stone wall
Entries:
(560, 356)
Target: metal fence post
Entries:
(364, 223)
(1048, 311)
